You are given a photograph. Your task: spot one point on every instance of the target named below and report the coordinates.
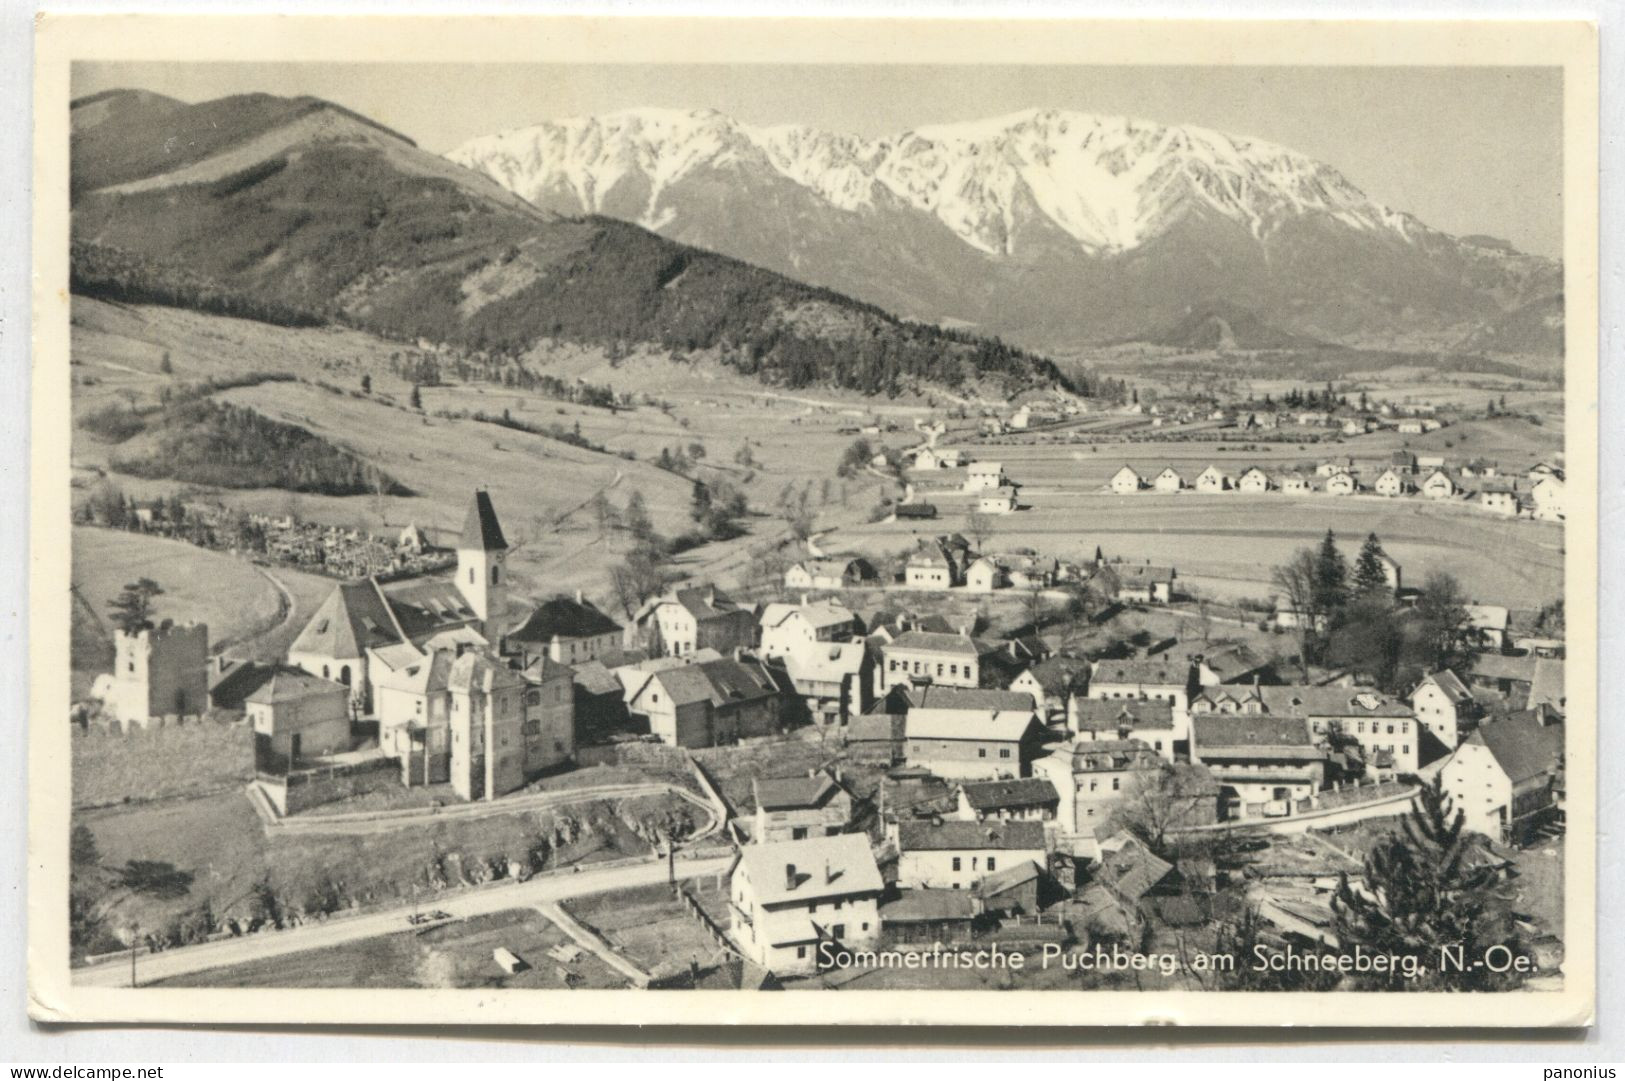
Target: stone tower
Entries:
(159, 672)
(482, 572)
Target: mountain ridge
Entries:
(1006, 222)
(298, 210)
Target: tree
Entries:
(636, 517)
(366, 383)
(131, 610)
(1296, 581)
(1160, 802)
(1441, 615)
(155, 878)
(1370, 640)
(1370, 573)
(603, 512)
(1426, 892)
(639, 576)
(417, 397)
(699, 503)
(1331, 576)
(166, 366)
(979, 528)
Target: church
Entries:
(366, 615)
(424, 657)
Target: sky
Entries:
(1466, 150)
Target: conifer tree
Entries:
(1331, 586)
(1427, 894)
(1370, 576)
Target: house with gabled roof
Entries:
(1161, 678)
(567, 630)
(1342, 483)
(1092, 775)
(833, 573)
(788, 897)
(1385, 728)
(958, 855)
(1391, 483)
(296, 715)
(709, 704)
(950, 660)
(1506, 777)
(1126, 481)
(1105, 719)
(360, 616)
(1022, 798)
(1253, 480)
(1442, 701)
(1438, 485)
(1213, 479)
(1266, 766)
(1137, 583)
(1295, 484)
(962, 734)
(689, 618)
(1168, 480)
(795, 808)
(1053, 683)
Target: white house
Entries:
(982, 476)
(1295, 484)
(1499, 499)
(1342, 483)
(1254, 480)
(1391, 483)
(1000, 500)
(787, 897)
(1487, 623)
(972, 743)
(1168, 480)
(1126, 482)
(1212, 479)
(1549, 500)
(1438, 485)
(1439, 701)
(985, 575)
(1504, 777)
(957, 855)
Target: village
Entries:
(862, 762)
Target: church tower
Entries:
(482, 572)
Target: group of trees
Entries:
(201, 441)
(1351, 617)
(131, 610)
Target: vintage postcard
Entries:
(728, 521)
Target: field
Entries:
(540, 485)
(112, 767)
(452, 955)
(1226, 544)
(651, 929)
(251, 611)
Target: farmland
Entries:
(449, 955)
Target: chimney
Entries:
(789, 876)
(710, 596)
(829, 873)
(579, 598)
(804, 600)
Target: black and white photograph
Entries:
(646, 530)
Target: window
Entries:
(471, 576)
(839, 931)
(812, 907)
(493, 576)
(801, 953)
(1390, 730)
(956, 863)
(865, 926)
(991, 864)
(1117, 784)
(1004, 752)
(981, 752)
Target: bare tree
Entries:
(979, 528)
(1296, 580)
(1162, 801)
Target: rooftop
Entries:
(817, 867)
(935, 642)
(293, 685)
(481, 531)
(1163, 671)
(1107, 714)
(791, 793)
(954, 835)
(564, 617)
(1018, 792)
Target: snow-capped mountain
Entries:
(1053, 228)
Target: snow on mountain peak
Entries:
(1110, 183)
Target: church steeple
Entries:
(482, 553)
